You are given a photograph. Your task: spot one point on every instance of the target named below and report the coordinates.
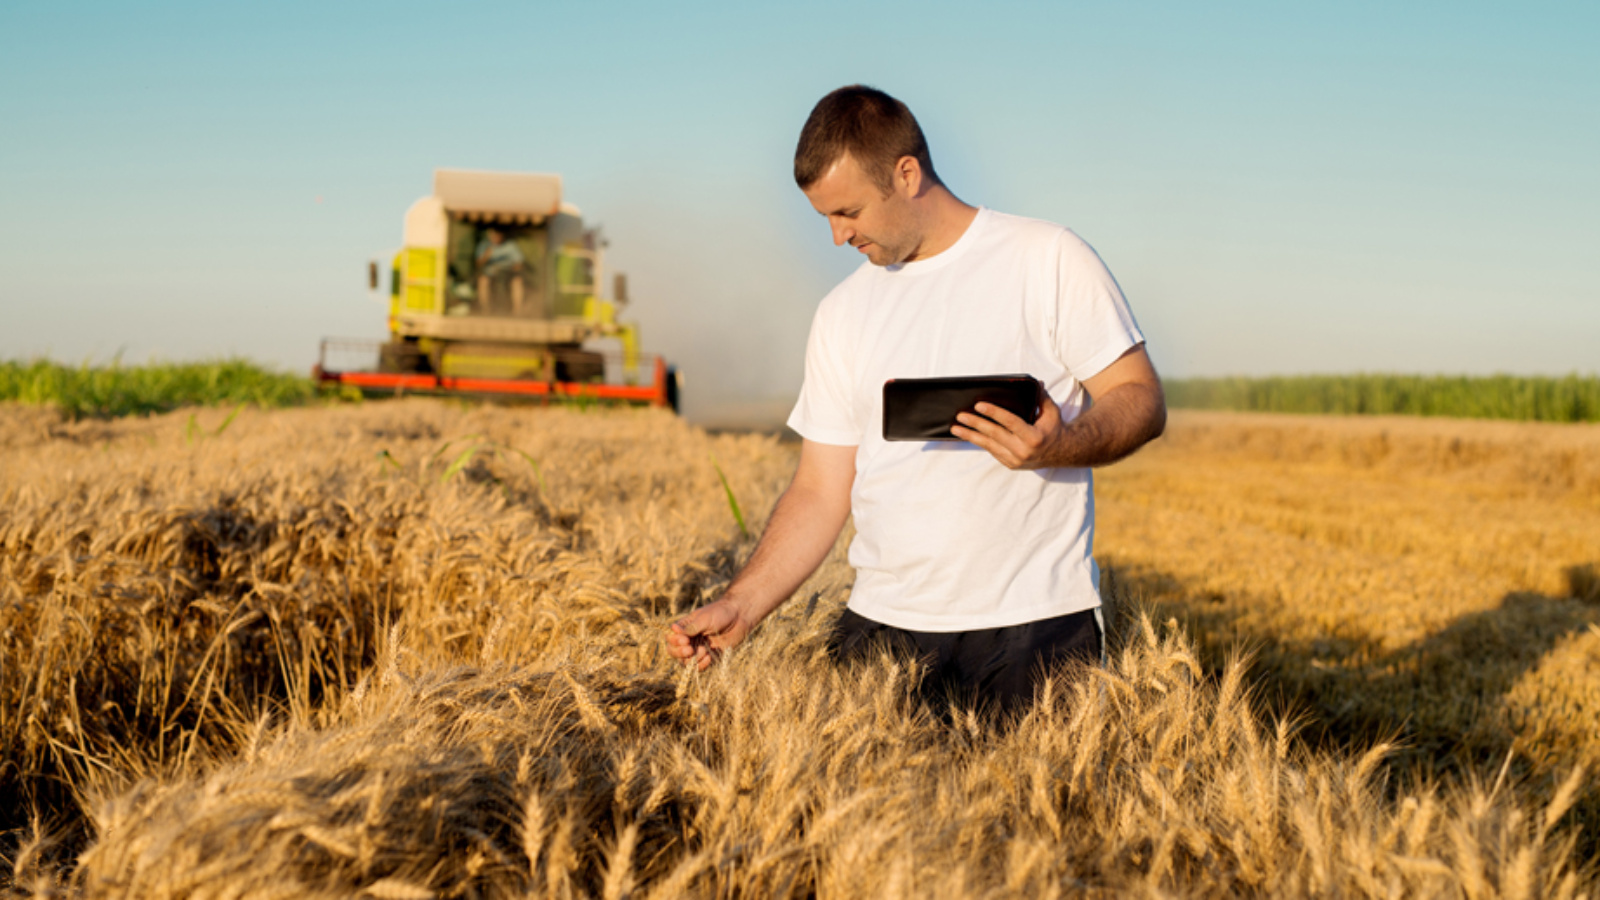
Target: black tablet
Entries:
(923, 409)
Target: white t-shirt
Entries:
(948, 539)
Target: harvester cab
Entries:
(498, 289)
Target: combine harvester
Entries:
(496, 292)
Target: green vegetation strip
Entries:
(118, 390)
(1572, 398)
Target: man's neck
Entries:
(945, 219)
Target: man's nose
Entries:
(842, 232)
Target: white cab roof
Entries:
(517, 197)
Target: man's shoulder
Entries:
(1062, 243)
(1042, 232)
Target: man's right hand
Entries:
(699, 638)
(800, 532)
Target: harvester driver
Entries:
(973, 555)
(500, 265)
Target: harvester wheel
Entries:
(580, 366)
(673, 389)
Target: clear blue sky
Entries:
(1279, 188)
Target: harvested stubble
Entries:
(1431, 581)
(273, 662)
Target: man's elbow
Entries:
(818, 499)
(1144, 417)
(1158, 414)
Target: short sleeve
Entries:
(1093, 324)
(826, 411)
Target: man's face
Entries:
(882, 228)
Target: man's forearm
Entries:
(1117, 424)
(798, 536)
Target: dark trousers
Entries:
(994, 668)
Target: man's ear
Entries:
(908, 176)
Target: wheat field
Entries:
(413, 649)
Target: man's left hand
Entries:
(1127, 412)
(1015, 443)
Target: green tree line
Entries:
(117, 390)
(1571, 398)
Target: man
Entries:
(973, 555)
(499, 269)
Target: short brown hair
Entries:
(864, 123)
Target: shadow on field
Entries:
(1443, 698)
